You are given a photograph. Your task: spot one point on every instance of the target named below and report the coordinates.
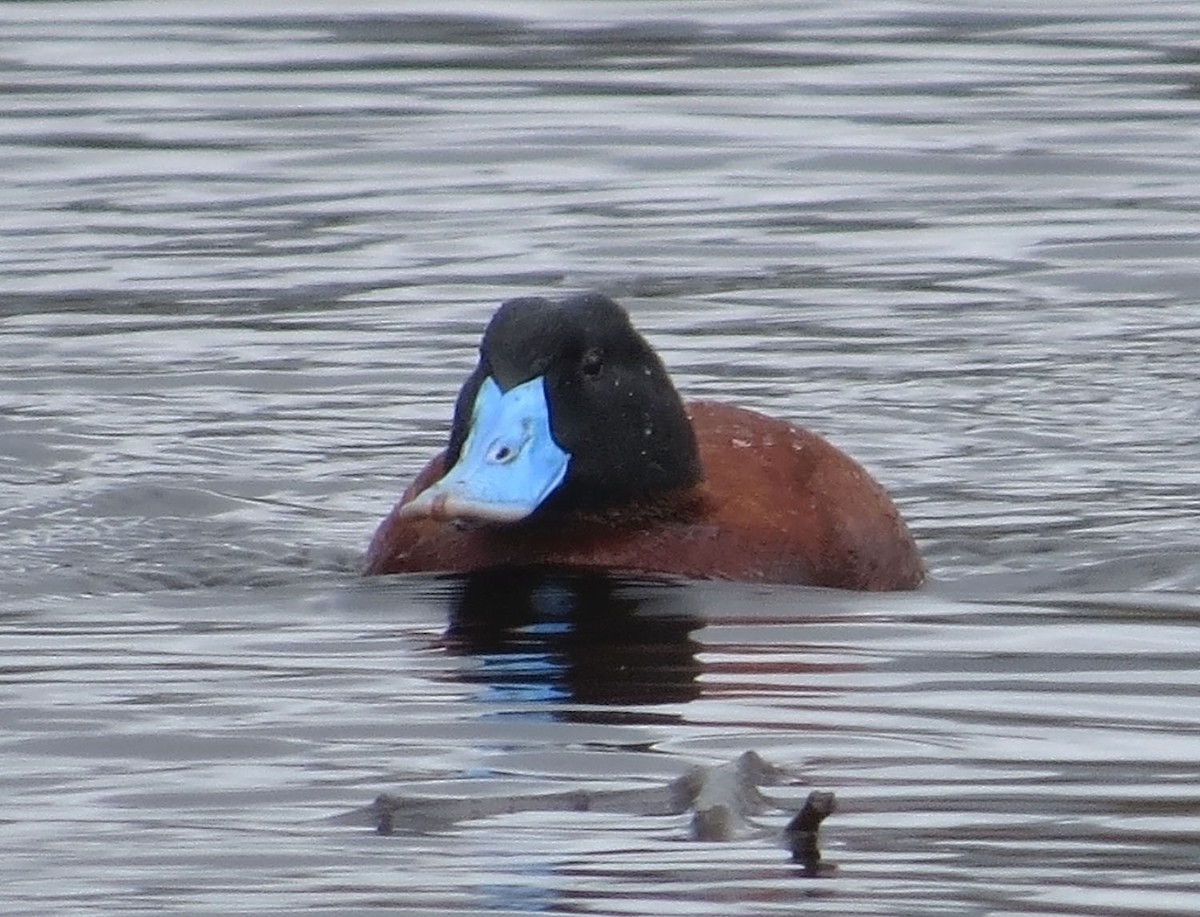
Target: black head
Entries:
(612, 406)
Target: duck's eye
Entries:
(591, 364)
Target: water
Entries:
(245, 257)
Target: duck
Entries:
(571, 448)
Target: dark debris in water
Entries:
(802, 832)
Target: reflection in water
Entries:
(585, 638)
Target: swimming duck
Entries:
(570, 447)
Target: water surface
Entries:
(245, 257)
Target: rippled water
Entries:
(245, 256)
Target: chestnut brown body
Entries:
(776, 503)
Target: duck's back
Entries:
(794, 508)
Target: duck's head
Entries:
(568, 411)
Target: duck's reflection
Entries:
(578, 638)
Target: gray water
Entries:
(246, 252)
